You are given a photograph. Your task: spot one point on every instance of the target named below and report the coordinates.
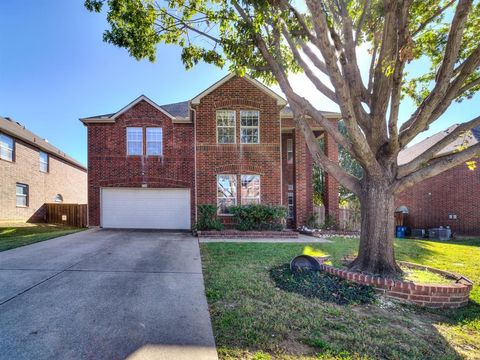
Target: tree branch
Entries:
(431, 18)
(366, 8)
(430, 153)
(445, 163)
(324, 89)
(361, 147)
(319, 157)
(423, 115)
(293, 98)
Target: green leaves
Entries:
(258, 217)
(207, 218)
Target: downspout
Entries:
(194, 157)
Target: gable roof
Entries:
(280, 100)
(110, 118)
(16, 130)
(180, 111)
(410, 153)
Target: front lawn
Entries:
(253, 319)
(15, 235)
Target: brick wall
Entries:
(262, 159)
(452, 295)
(453, 192)
(62, 178)
(109, 165)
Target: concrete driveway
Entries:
(105, 294)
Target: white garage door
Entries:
(139, 208)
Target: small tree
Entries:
(270, 39)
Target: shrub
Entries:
(207, 218)
(259, 217)
(330, 223)
(312, 221)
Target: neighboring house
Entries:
(235, 143)
(448, 199)
(33, 172)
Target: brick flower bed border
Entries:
(235, 234)
(428, 295)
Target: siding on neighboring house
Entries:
(62, 178)
(454, 192)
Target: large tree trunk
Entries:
(376, 253)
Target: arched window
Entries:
(58, 198)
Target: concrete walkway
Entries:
(105, 294)
(301, 239)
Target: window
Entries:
(225, 127)
(154, 141)
(290, 205)
(6, 147)
(134, 141)
(226, 192)
(289, 151)
(22, 195)
(249, 127)
(250, 189)
(43, 157)
(58, 198)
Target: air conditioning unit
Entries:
(419, 233)
(440, 233)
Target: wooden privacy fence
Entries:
(348, 219)
(67, 214)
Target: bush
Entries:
(312, 221)
(207, 218)
(259, 217)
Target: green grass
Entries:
(423, 276)
(253, 319)
(15, 235)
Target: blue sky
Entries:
(55, 68)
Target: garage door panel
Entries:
(145, 208)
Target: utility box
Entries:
(442, 234)
(419, 233)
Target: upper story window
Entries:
(22, 195)
(226, 127)
(289, 151)
(134, 141)
(226, 192)
(6, 147)
(249, 127)
(250, 189)
(43, 158)
(154, 141)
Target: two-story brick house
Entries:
(235, 143)
(34, 172)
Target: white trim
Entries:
(234, 126)
(136, 101)
(100, 120)
(328, 115)
(250, 127)
(126, 140)
(111, 119)
(258, 84)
